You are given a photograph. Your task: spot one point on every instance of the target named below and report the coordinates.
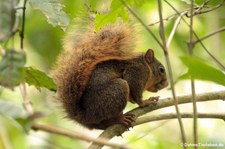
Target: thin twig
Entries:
(185, 12)
(207, 51)
(195, 114)
(208, 10)
(162, 33)
(210, 54)
(89, 9)
(197, 11)
(23, 24)
(176, 24)
(142, 23)
(209, 35)
(75, 135)
(170, 17)
(190, 49)
(152, 118)
(118, 129)
(26, 102)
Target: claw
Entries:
(127, 120)
(150, 101)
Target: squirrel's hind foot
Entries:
(126, 120)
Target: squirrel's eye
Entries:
(161, 69)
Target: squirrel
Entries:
(100, 72)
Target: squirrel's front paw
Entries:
(150, 101)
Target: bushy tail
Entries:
(84, 50)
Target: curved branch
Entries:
(118, 129)
(147, 119)
(209, 35)
(75, 135)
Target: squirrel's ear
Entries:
(149, 55)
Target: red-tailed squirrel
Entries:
(100, 72)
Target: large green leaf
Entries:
(201, 70)
(11, 68)
(53, 10)
(7, 18)
(39, 79)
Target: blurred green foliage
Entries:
(11, 68)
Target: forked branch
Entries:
(118, 129)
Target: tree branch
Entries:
(175, 26)
(147, 119)
(75, 135)
(209, 35)
(171, 17)
(166, 53)
(199, 11)
(191, 49)
(118, 129)
(195, 34)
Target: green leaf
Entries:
(201, 70)
(199, 2)
(116, 10)
(11, 68)
(53, 10)
(137, 2)
(184, 76)
(39, 79)
(7, 18)
(214, 3)
(102, 20)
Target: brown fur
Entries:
(85, 51)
